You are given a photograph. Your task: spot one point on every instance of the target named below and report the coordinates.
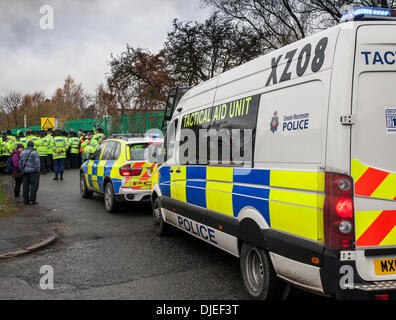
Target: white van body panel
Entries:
(308, 103)
(373, 148)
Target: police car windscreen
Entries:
(137, 151)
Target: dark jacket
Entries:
(16, 169)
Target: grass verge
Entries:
(7, 206)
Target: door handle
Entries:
(170, 170)
(178, 171)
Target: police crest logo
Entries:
(274, 122)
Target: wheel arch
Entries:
(155, 193)
(106, 180)
(250, 228)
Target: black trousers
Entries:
(3, 160)
(3, 163)
(30, 186)
(43, 165)
(68, 160)
(18, 184)
(49, 163)
(74, 157)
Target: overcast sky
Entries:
(85, 34)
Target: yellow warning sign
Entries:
(47, 123)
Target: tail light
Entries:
(339, 222)
(127, 171)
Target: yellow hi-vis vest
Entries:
(59, 146)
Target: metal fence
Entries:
(136, 123)
(15, 131)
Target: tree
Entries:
(9, 106)
(105, 102)
(70, 101)
(334, 9)
(276, 22)
(198, 51)
(281, 22)
(138, 80)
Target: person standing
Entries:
(67, 136)
(42, 149)
(82, 137)
(3, 157)
(11, 139)
(29, 163)
(74, 150)
(22, 139)
(59, 146)
(16, 171)
(6, 150)
(30, 136)
(49, 162)
(90, 145)
(99, 136)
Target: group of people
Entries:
(28, 155)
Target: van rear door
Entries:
(373, 151)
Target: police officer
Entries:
(82, 140)
(32, 137)
(49, 162)
(68, 135)
(90, 145)
(42, 149)
(99, 136)
(74, 150)
(22, 139)
(59, 146)
(11, 139)
(6, 151)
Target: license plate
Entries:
(385, 266)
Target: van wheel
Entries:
(161, 228)
(84, 191)
(259, 277)
(109, 198)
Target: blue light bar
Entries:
(367, 13)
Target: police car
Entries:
(313, 203)
(119, 170)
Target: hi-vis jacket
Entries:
(74, 144)
(59, 145)
(90, 146)
(34, 139)
(43, 146)
(99, 137)
(6, 148)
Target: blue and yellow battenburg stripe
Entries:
(289, 201)
(95, 171)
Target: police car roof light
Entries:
(368, 13)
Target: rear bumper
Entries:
(293, 262)
(133, 195)
(341, 280)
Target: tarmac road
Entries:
(118, 256)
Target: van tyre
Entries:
(110, 202)
(84, 191)
(258, 274)
(161, 228)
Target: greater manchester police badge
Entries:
(274, 122)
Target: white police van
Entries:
(315, 204)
